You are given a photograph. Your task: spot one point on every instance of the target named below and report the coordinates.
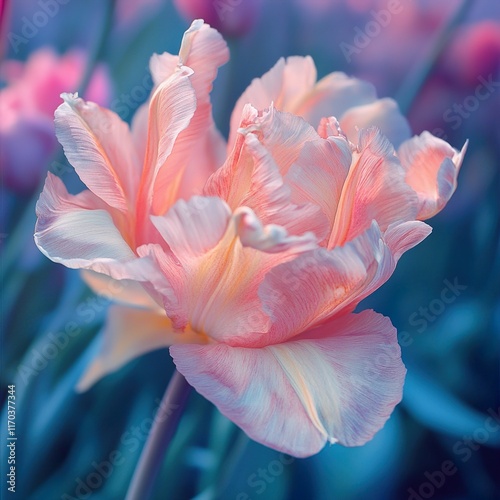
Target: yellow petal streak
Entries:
(311, 378)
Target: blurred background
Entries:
(441, 61)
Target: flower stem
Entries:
(161, 434)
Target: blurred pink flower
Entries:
(254, 282)
(129, 12)
(27, 106)
(473, 52)
(230, 17)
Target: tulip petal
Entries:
(200, 148)
(333, 95)
(215, 264)
(128, 334)
(339, 382)
(383, 114)
(253, 174)
(171, 109)
(281, 86)
(100, 147)
(319, 174)
(125, 292)
(375, 189)
(432, 167)
(319, 284)
(79, 232)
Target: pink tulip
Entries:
(27, 107)
(253, 283)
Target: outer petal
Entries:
(100, 147)
(337, 383)
(284, 84)
(374, 189)
(320, 284)
(128, 334)
(216, 264)
(384, 114)
(172, 107)
(199, 149)
(79, 232)
(203, 50)
(432, 167)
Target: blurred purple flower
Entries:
(230, 17)
(27, 105)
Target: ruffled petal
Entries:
(128, 334)
(318, 175)
(337, 383)
(321, 284)
(100, 147)
(383, 114)
(172, 107)
(253, 174)
(375, 189)
(432, 167)
(285, 83)
(200, 148)
(215, 264)
(79, 232)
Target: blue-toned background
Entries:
(441, 61)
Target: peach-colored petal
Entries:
(319, 174)
(320, 284)
(99, 145)
(79, 232)
(199, 149)
(375, 189)
(172, 107)
(432, 167)
(282, 133)
(126, 292)
(384, 114)
(333, 95)
(215, 265)
(337, 383)
(265, 148)
(285, 83)
(127, 334)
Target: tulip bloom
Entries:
(252, 281)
